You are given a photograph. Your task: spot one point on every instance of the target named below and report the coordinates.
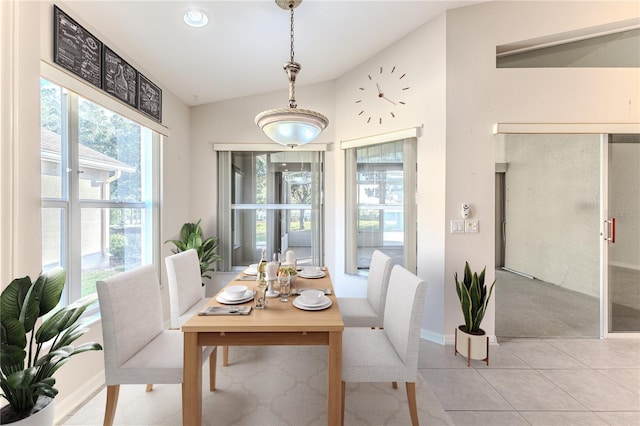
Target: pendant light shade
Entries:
(291, 126)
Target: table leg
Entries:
(334, 388)
(192, 381)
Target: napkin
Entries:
(225, 310)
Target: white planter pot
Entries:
(43, 417)
(472, 346)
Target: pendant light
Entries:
(291, 126)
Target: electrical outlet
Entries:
(472, 226)
(457, 226)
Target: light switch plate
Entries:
(457, 226)
(472, 226)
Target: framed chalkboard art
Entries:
(149, 98)
(76, 49)
(119, 79)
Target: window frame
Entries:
(409, 140)
(70, 203)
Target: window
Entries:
(381, 187)
(270, 200)
(97, 186)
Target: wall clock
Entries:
(382, 95)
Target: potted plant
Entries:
(191, 238)
(27, 371)
(471, 341)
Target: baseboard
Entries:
(72, 402)
(448, 339)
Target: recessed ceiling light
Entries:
(196, 18)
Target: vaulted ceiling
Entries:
(242, 49)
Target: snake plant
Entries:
(474, 298)
(31, 355)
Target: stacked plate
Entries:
(228, 299)
(252, 269)
(323, 303)
(312, 272)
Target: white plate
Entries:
(312, 274)
(297, 302)
(250, 271)
(248, 295)
(322, 301)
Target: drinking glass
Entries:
(260, 298)
(284, 279)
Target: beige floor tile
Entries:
(626, 377)
(487, 418)
(529, 390)
(463, 389)
(540, 354)
(594, 390)
(603, 353)
(562, 418)
(620, 418)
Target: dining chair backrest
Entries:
(185, 283)
(403, 316)
(131, 311)
(378, 281)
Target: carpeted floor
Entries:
(532, 308)
(267, 385)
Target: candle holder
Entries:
(271, 292)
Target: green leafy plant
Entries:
(474, 298)
(191, 238)
(26, 372)
(117, 245)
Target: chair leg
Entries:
(343, 392)
(394, 385)
(112, 401)
(413, 407)
(149, 387)
(225, 356)
(212, 369)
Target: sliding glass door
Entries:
(621, 232)
(271, 201)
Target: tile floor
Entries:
(538, 382)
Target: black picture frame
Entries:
(119, 78)
(149, 98)
(76, 49)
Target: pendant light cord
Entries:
(292, 67)
(292, 52)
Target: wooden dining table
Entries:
(278, 324)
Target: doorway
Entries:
(547, 236)
(568, 203)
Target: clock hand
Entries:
(384, 97)
(379, 91)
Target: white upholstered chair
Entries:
(369, 311)
(186, 293)
(137, 348)
(389, 354)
